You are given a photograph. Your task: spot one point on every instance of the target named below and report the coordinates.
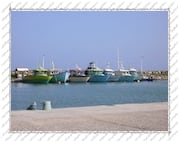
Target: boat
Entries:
(96, 74)
(63, 76)
(130, 75)
(78, 76)
(53, 73)
(39, 75)
(112, 76)
(124, 75)
(135, 75)
(146, 78)
(142, 76)
(58, 76)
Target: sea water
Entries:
(87, 94)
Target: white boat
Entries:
(124, 75)
(111, 73)
(78, 76)
(134, 74)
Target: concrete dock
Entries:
(124, 117)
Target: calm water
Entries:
(90, 94)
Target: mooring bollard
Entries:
(32, 106)
(47, 105)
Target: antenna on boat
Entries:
(108, 65)
(141, 65)
(53, 66)
(43, 61)
(121, 66)
(77, 67)
(118, 63)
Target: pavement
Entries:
(124, 117)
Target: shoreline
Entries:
(121, 117)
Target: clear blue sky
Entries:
(73, 37)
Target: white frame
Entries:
(5, 83)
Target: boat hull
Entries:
(37, 79)
(113, 78)
(99, 78)
(135, 75)
(137, 78)
(126, 79)
(60, 77)
(79, 79)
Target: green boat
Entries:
(39, 76)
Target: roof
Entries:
(40, 69)
(22, 69)
(132, 69)
(110, 70)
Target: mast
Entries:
(43, 61)
(108, 65)
(53, 66)
(77, 67)
(141, 65)
(118, 63)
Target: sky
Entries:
(70, 38)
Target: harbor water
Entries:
(87, 94)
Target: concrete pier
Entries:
(125, 117)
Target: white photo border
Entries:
(93, 5)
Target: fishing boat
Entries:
(96, 74)
(58, 76)
(130, 75)
(112, 76)
(53, 73)
(143, 77)
(78, 76)
(124, 75)
(39, 75)
(63, 76)
(146, 78)
(111, 73)
(134, 74)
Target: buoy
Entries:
(47, 105)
